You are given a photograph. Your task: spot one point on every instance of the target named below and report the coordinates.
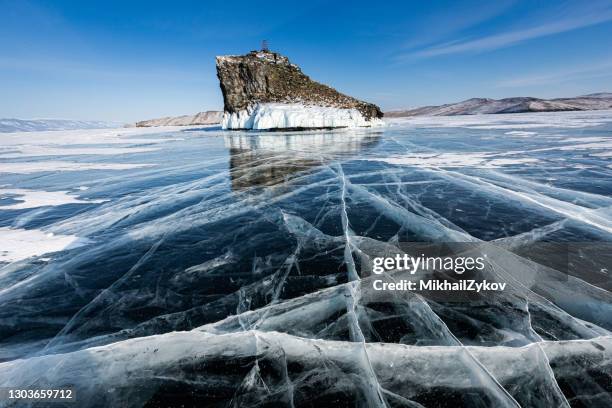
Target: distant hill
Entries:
(34, 125)
(202, 118)
(603, 95)
(476, 106)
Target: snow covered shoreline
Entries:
(268, 116)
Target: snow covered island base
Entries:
(271, 116)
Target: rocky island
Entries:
(263, 90)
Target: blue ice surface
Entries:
(222, 222)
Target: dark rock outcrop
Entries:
(269, 77)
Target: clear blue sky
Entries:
(128, 60)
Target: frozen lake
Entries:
(226, 267)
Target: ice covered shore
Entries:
(266, 116)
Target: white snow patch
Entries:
(89, 137)
(18, 244)
(279, 116)
(592, 139)
(463, 159)
(34, 198)
(607, 144)
(77, 142)
(34, 167)
(509, 162)
(520, 133)
(37, 150)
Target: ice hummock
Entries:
(254, 368)
(266, 116)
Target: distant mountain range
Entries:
(202, 118)
(37, 125)
(474, 106)
(34, 125)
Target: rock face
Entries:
(476, 106)
(264, 90)
(202, 118)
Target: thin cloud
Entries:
(580, 19)
(454, 19)
(600, 70)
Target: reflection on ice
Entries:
(230, 269)
(269, 159)
(330, 142)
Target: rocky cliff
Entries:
(264, 90)
(202, 118)
(476, 106)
